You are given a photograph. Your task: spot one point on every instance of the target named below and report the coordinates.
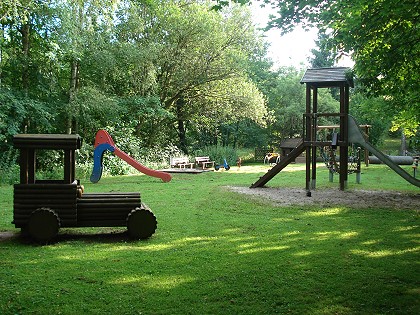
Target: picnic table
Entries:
(181, 162)
(204, 162)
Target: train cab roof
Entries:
(47, 141)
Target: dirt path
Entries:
(335, 197)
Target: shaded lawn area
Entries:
(219, 252)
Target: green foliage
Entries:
(323, 57)
(9, 169)
(219, 153)
(18, 113)
(92, 110)
(369, 110)
(171, 72)
(154, 66)
(148, 117)
(251, 135)
(382, 38)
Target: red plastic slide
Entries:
(103, 136)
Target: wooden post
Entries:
(307, 138)
(344, 150)
(24, 166)
(69, 166)
(31, 166)
(313, 138)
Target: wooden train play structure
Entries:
(42, 207)
(348, 131)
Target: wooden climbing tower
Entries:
(339, 77)
(315, 79)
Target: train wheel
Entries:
(141, 223)
(43, 225)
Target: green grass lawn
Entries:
(219, 252)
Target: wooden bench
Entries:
(181, 162)
(204, 162)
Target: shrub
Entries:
(9, 169)
(219, 153)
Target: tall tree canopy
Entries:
(383, 37)
(151, 66)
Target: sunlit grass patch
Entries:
(335, 234)
(154, 281)
(325, 212)
(385, 252)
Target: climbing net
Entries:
(332, 159)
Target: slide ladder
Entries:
(356, 136)
(279, 166)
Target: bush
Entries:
(158, 157)
(219, 153)
(9, 169)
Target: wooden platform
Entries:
(186, 170)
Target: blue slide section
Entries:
(97, 161)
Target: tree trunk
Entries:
(235, 136)
(25, 52)
(403, 143)
(25, 31)
(181, 126)
(74, 84)
(1, 54)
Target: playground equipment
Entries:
(271, 158)
(225, 166)
(349, 132)
(103, 142)
(42, 207)
(329, 156)
(397, 159)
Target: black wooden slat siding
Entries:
(106, 209)
(61, 198)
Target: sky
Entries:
(292, 49)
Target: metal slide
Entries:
(279, 166)
(356, 136)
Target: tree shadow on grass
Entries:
(269, 260)
(79, 235)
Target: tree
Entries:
(195, 50)
(220, 105)
(323, 56)
(23, 63)
(82, 23)
(383, 38)
(153, 67)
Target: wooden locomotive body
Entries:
(42, 207)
